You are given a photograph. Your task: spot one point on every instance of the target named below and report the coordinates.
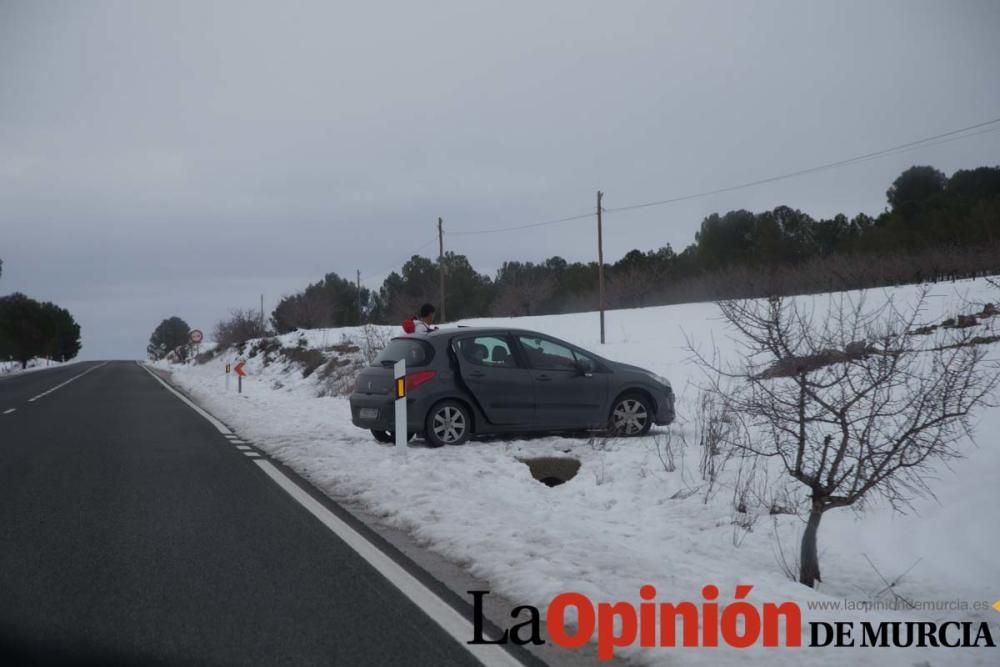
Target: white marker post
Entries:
(399, 373)
(228, 368)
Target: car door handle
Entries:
(542, 378)
(476, 374)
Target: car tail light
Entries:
(414, 380)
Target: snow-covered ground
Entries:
(625, 520)
(13, 367)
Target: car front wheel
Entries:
(448, 423)
(631, 416)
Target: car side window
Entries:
(546, 354)
(489, 351)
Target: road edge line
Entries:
(442, 613)
(219, 426)
(430, 603)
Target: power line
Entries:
(516, 227)
(945, 141)
(822, 167)
(942, 138)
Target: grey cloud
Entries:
(162, 158)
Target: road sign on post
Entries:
(238, 369)
(197, 336)
(399, 373)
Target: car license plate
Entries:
(369, 413)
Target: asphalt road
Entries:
(133, 532)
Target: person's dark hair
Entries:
(427, 309)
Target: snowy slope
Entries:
(625, 520)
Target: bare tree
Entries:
(848, 401)
(241, 326)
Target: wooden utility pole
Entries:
(444, 316)
(361, 310)
(600, 263)
(262, 312)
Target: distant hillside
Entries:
(934, 228)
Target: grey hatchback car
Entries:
(475, 381)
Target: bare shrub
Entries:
(374, 338)
(788, 562)
(309, 359)
(339, 375)
(712, 429)
(665, 450)
(600, 472)
(241, 326)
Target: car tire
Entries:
(448, 423)
(631, 416)
(384, 436)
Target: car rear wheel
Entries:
(631, 416)
(448, 423)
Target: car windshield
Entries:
(415, 352)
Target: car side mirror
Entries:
(584, 366)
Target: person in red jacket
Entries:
(423, 322)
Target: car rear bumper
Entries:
(385, 420)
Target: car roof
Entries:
(445, 331)
(454, 331)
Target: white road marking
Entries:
(245, 448)
(442, 613)
(7, 412)
(452, 622)
(236, 441)
(35, 370)
(219, 426)
(252, 455)
(58, 386)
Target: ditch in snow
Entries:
(552, 470)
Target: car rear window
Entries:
(416, 353)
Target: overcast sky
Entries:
(162, 158)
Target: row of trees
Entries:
(30, 329)
(933, 227)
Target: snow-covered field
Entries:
(13, 367)
(625, 520)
